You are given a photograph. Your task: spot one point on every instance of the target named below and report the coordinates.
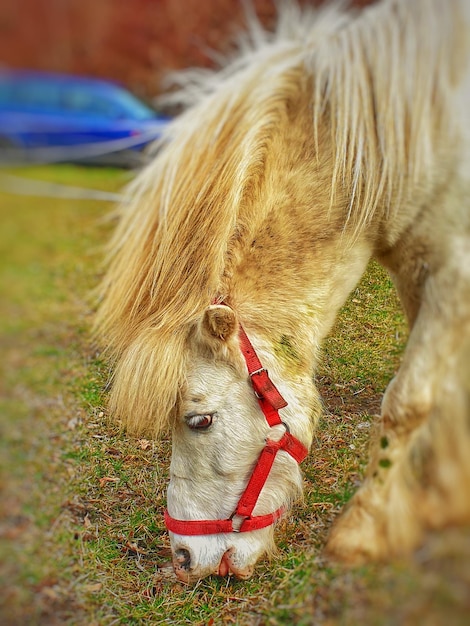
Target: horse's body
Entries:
(337, 139)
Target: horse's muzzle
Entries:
(187, 572)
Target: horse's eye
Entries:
(199, 422)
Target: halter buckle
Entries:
(265, 389)
(258, 372)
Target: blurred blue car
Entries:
(46, 117)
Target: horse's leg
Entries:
(419, 472)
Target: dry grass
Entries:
(82, 540)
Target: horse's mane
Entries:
(382, 76)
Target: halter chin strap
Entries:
(242, 520)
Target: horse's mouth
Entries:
(226, 567)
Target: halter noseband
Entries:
(241, 520)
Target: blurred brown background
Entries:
(132, 41)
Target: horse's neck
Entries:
(291, 304)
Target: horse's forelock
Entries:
(148, 382)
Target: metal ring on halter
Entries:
(281, 423)
(235, 515)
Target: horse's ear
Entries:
(219, 322)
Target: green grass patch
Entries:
(369, 335)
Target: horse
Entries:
(336, 137)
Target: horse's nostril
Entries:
(183, 558)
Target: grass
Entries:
(82, 540)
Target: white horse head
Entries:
(218, 437)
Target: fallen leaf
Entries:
(51, 593)
(113, 451)
(87, 536)
(144, 444)
(108, 479)
(73, 423)
(150, 593)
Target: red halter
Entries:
(241, 520)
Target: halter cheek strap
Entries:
(270, 401)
